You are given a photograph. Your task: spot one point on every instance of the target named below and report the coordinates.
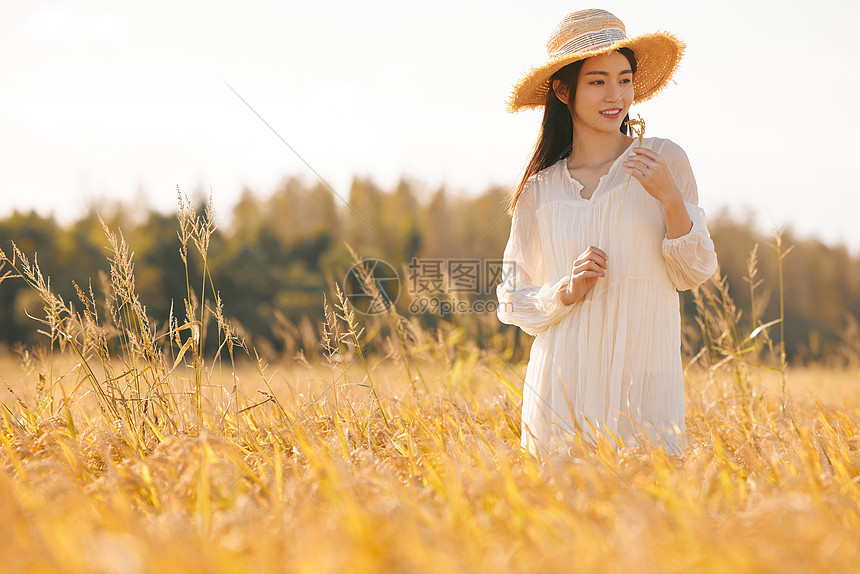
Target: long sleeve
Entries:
(526, 298)
(690, 259)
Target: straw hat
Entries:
(588, 33)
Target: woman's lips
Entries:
(611, 113)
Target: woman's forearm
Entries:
(678, 221)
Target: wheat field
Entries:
(126, 449)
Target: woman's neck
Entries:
(592, 148)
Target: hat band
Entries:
(590, 41)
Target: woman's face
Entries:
(604, 93)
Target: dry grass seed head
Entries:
(638, 127)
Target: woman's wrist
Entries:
(565, 296)
(674, 203)
(678, 221)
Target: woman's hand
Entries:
(650, 169)
(587, 269)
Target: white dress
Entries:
(612, 361)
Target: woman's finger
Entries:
(644, 151)
(592, 274)
(601, 262)
(642, 166)
(596, 257)
(587, 266)
(636, 173)
(638, 168)
(593, 252)
(597, 251)
(593, 257)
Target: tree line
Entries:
(272, 258)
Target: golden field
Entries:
(321, 482)
(126, 449)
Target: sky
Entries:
(109, 101)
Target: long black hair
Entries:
(555, 139)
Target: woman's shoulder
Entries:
(545, 184)
(549, 176)
(674, 153)
(664, 146)
(546, 175)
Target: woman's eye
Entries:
(597, 82)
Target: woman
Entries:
(604, 232)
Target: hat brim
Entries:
(657, 57)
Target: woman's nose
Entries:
(614, 93)
(622, 90)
